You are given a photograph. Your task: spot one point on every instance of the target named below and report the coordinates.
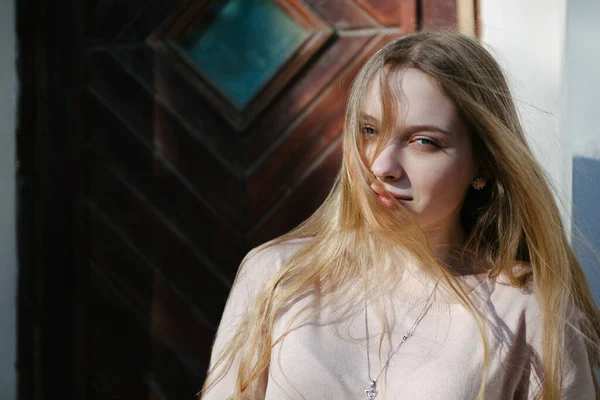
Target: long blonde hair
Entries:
(514, 218)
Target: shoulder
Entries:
(509, 295)
(265, 261)
(273, 251)
(271, 256)
(524, 298)
(516, 307)
(259, 266)
(521, 307)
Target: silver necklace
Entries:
(371, 392)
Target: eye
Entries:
(368, 130)
(426, 143)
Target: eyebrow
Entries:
(413, 128)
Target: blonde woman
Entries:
(437, 268)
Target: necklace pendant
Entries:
(371, 392)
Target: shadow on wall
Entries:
(586, 218)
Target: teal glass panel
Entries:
(241, 44)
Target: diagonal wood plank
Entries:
(301, 200)
(343, 14)
(147, 20)
(175, 148)
(115, 146)
(120, 325)
(161, 75)
(295, 155)
(105, 19)
(293, 106)
(145, 287)
(178, 260)
(402, 13)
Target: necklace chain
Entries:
(371, 392)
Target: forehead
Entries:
(419, 100)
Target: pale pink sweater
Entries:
(326, 358)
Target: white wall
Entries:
(550, 51)
(527, 37)
(8, 257)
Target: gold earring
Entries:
(479, 183)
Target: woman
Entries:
(437, 268)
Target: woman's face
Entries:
(428, 163)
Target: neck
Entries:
(447, 245)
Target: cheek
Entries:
(445, 180)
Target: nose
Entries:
(387, 166)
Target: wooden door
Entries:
(191, 157)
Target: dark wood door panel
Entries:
(104, 19)
(118, 328)
(112, 144)
(137, 109)
(160, 73)
(392, 13)
(343, 14)
(146, 288)
(439, 14)
(294, 156)
(178, 259)
(127, 21)
(177, 190)
(299, 99)
(301, 199)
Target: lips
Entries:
(404, 198)
(382, 195)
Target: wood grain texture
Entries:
(118, 328)
(179, 260)
(173, 145)
(401, 13)
(305, 197)
(296, 154)
(308, 87)
(119, 148)
(163, 76)
(150, 16)
(343, 14)
(134, 275)
(439, 14)
(105, 19)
